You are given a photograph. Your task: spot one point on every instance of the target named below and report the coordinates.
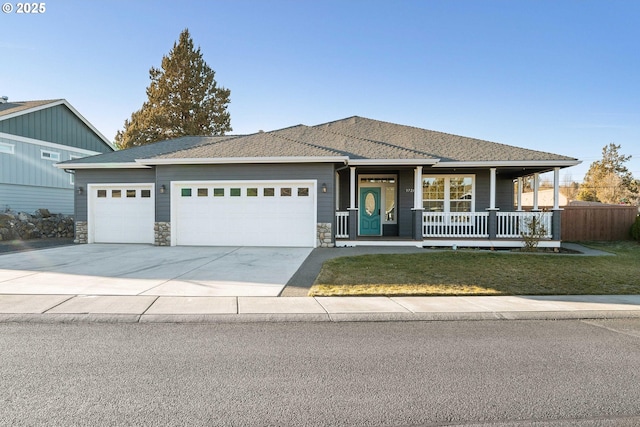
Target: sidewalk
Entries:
(170, 309)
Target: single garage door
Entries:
(121, 213)
(244, 213)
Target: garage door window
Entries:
(102, 193)
(116, 194)
(269, 192)
(145, 193)
(252, 192)
(285, 192)
(235, 192)
(185, 192)
(218, 192)
(203, 192)
(131, 193)
(303, 192)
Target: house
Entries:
(350, 182)
(34, 136)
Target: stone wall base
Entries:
(325, 236)
(162, 233)
(82, 232)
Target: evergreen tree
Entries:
(608, 180)
(183, 99)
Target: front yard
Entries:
(481, 272)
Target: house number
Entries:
(409, 190)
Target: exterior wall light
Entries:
(163, 189)
(80, 191)
(324, 187)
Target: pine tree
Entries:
(183, 99)
(608, 180)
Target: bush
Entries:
(635, 229)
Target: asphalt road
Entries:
(418, 373)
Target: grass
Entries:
(480, 272)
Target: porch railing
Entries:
(512, 224)
(455, 224)
(342, 225)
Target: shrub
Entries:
(635, 229)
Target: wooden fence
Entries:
(609, 222)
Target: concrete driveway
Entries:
(118, 269)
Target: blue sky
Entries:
(557, 76)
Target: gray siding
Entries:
(323, 173)
(107, 176)
(405, 203)
(55, 124)
(27, 167)
(24, 198)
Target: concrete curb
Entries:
(314, 317)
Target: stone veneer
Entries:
(325, 238)
(162, 233)
(82, 232)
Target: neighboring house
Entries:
(34, 136)
(545, 199)
(349, 182)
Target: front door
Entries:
(370, 211)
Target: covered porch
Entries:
(462, 221)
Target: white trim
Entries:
(492, 189)
(556, 188)
(460, 243)
(54, 104)
(115, 165)
(243, 160)
(417, 188)
(392, 162)
(11, 147)
(509, 163)
(47, 144)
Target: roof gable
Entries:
(52, 121)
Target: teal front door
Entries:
(370, 211)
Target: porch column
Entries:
(353, 210)
(536, 188)
(556, 219)
(492, 188)
(417, 203)
(520, 183)
(493, 217)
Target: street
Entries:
(395, 373)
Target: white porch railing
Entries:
(455, 224)
(342, 225)
(511, 224)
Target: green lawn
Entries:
(482, 272)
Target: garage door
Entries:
(256, 213)
(121, 213)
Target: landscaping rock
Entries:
(44, 224)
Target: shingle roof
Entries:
(15, 107)
(355, 137)
(444, 146)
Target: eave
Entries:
(123, 165)
(509, 163)
(240, 160)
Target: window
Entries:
(116, 194)
(448, 194)
(203, 192)
(268, 192)
(218, 192)
(285, 192)
(145, 194)
(252, 192)
(49, 155)
(7, 148)
(102, 193)
(303, 191)
(185, 192)
(131, 193)
(234, 192)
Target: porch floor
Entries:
(435, 242)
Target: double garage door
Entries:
(208, 213)
(244, 213)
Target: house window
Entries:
(50, 155)
(448, 193)
(7, 148)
